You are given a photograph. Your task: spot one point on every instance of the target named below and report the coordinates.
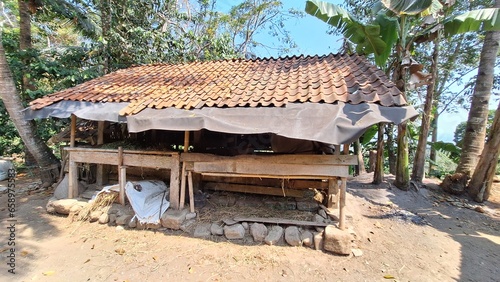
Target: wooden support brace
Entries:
(191, 192)
(174, 184)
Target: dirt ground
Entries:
(422, 235)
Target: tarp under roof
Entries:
(337, 123)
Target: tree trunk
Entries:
(475, 131)
(402, 180)
(8, 93)
(419, 162)
(433, 155)
(391, 153)
(480, 184)
(106, 27)
(378, 175)
(360, 168)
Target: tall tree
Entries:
(475, 131)
(12, 101)
(480, 184)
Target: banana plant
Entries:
(390, 27)
(392, 31)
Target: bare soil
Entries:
(422, 235)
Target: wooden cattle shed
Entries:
(330, 99)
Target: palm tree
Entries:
(389, 32)
(475, 131)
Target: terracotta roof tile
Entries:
(238, 83)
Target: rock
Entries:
(173, 218)
(153, 226)
(274, 235)
(132, 223)
(318, 218)
(104, 218)
(95, 215)
(119, 228)
(223, 200)
(229, 221)
(63, 206)
(307, 205)
(112, 219)
(76, 208)
(190, 215)
(3, 189)
(245, 225)
(258, 232)
(216, 229)
(233, 232)
(307, 238)
(318, 241)
(188, 225)
(202, 230)
(120, 210)
(46, 185)
(292, 236)
(323, 213)
(123, 219)
(357, 252)
(319, 228)
(50, 205)
(281, 204)
(61, 191)
(337, 241)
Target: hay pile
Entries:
(102, 202)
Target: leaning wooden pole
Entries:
(183, 172)
(72, 135)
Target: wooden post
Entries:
(122, 180)
(346, 149)
(100, 141)
(122, 176)
(73, 131)
(342, 202)
(174, 184)
(333, 193)
(72, 179)
(191, 192)
(186, 141)
(183, 172)
(337, 149)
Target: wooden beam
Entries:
(280, 221)
(270, 182)
(254, 189)
(72, 131)
(346, 149)
(191, 191)
(100, 167)
(275, 159)
(257, 168)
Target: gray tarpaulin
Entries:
(85, 110)
(329, 123)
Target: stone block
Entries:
(258, 232)
(234, 232)
(274, 235)
(337, 241)
(173, 219)
(292, 236)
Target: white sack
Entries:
(5, 165)
(149, 199)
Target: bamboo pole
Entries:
(122, 176)
(191, 192)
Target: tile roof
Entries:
(238, 83)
